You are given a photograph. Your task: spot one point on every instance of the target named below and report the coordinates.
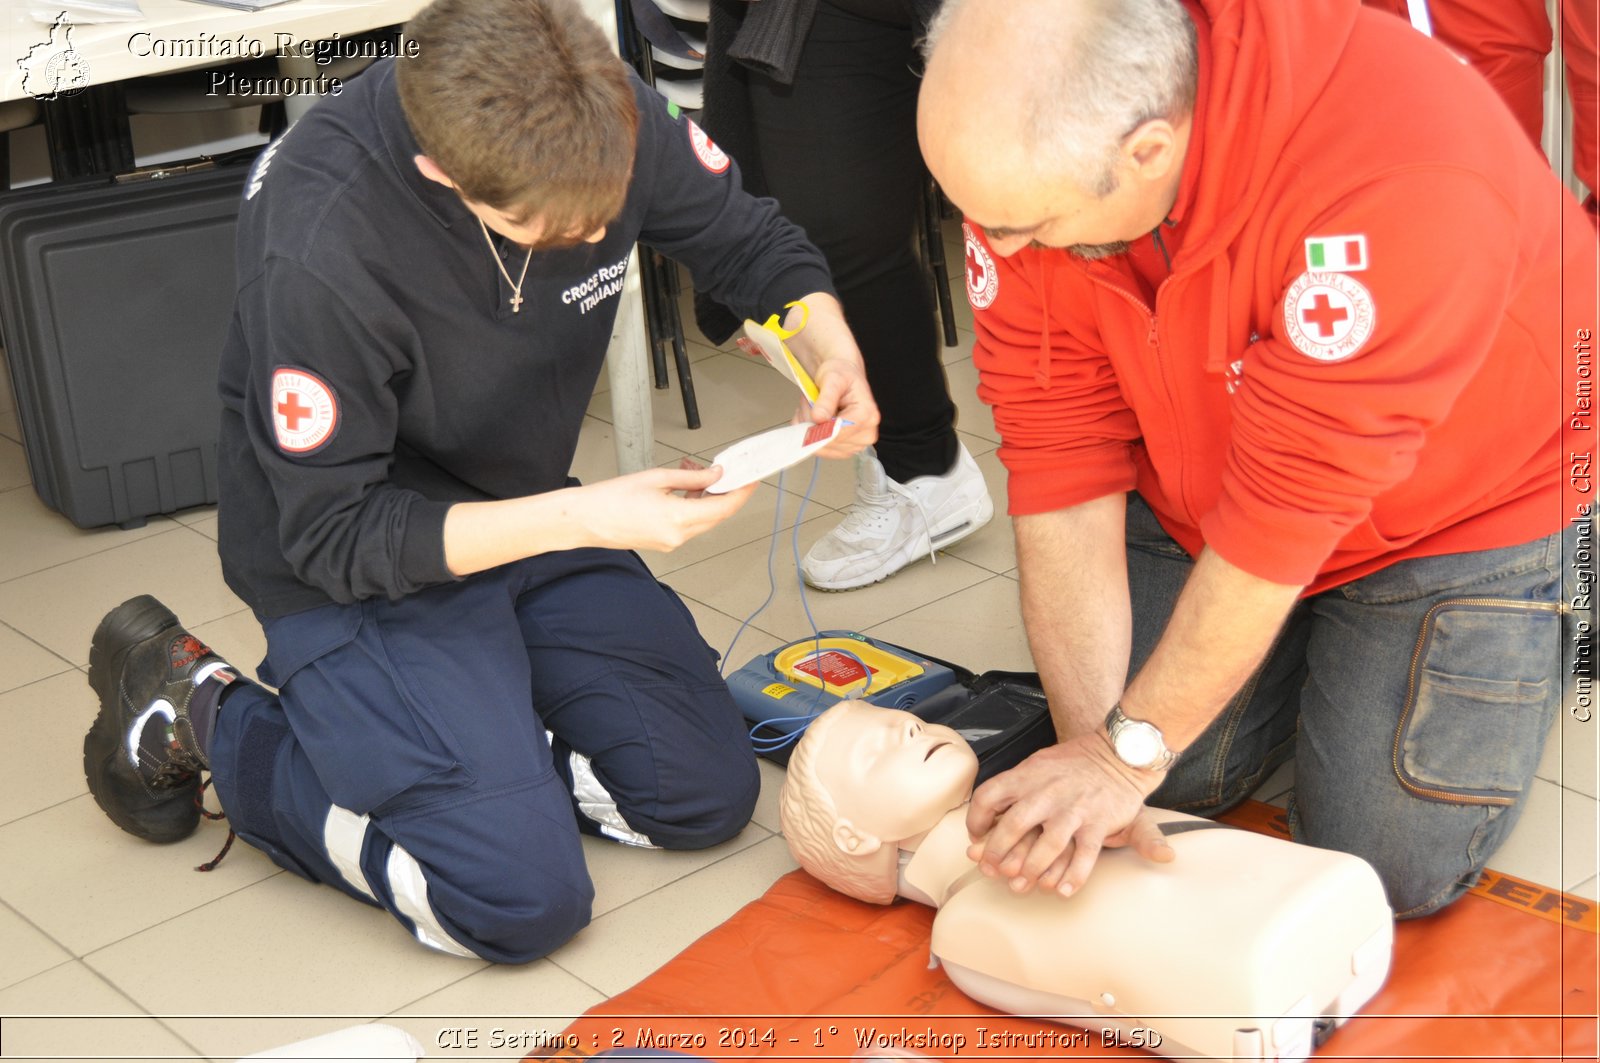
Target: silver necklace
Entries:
(515, 285)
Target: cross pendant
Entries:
(516, 302)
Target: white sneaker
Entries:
(892, 524)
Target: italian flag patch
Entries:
(1336, 254)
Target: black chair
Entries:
(658, 277)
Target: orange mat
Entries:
(1508, 972)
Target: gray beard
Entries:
(1091, 252)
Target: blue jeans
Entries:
(1415, 701)
(439, 755)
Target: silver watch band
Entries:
(1137, 743)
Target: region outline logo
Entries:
(54, 69)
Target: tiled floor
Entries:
(173, 964)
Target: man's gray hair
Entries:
(1098, 74)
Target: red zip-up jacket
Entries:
(1507, 42)
(1359, 354)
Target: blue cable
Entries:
(772, 581)
(772, 744)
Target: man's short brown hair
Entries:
(525, 108)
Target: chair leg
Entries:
(933, 245)
(274, 120)
(680, 347)
(650, 291)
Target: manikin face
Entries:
(891, 775)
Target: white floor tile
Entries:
(993, 546)
(596, 456)
(753, 523)
(712, 582)
(1554, 841)
(10, 427)
(36, 538)
(195, 515)
(622, 874)
(979, 628)
(23, 661)
(622, 947)
(1589, 890)
(1580, 858)
(69, 1012)
(963, 308)
(27, 949)
(60, 606)
(747, 398)
(54, 714)
(499, 1011)
(978, 446)
(13, 466)
(73, 874)
(1572, 754)
(766, 813)
(965, 337)
(972, 416)
(833, 489)
(295, 949)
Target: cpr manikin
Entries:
(1240, 948)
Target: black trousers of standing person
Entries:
(838, 149)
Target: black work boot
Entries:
(140, 757)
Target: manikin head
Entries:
(861, 781)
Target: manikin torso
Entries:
(1239, 924)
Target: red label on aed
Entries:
(834, 668)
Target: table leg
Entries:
(628, 365)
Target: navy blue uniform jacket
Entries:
(374, 372)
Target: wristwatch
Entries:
(1138, 743)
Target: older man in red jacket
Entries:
(1274, 302)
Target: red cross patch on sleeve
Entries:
(983, 281)
(1328, 316)
(305, 411)
(711, 157)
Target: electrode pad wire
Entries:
(767, 744)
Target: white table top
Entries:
(113, 51)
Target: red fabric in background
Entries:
(1508, 40)
(804, 972)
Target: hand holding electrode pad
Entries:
(766, 342)
(769, 452)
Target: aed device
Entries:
(1002, 715)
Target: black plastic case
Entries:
(114, 302)
(1003, 715)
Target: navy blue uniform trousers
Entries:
(439, 755)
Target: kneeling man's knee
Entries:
(1424, 863)
(711, 807)
(515, 900)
